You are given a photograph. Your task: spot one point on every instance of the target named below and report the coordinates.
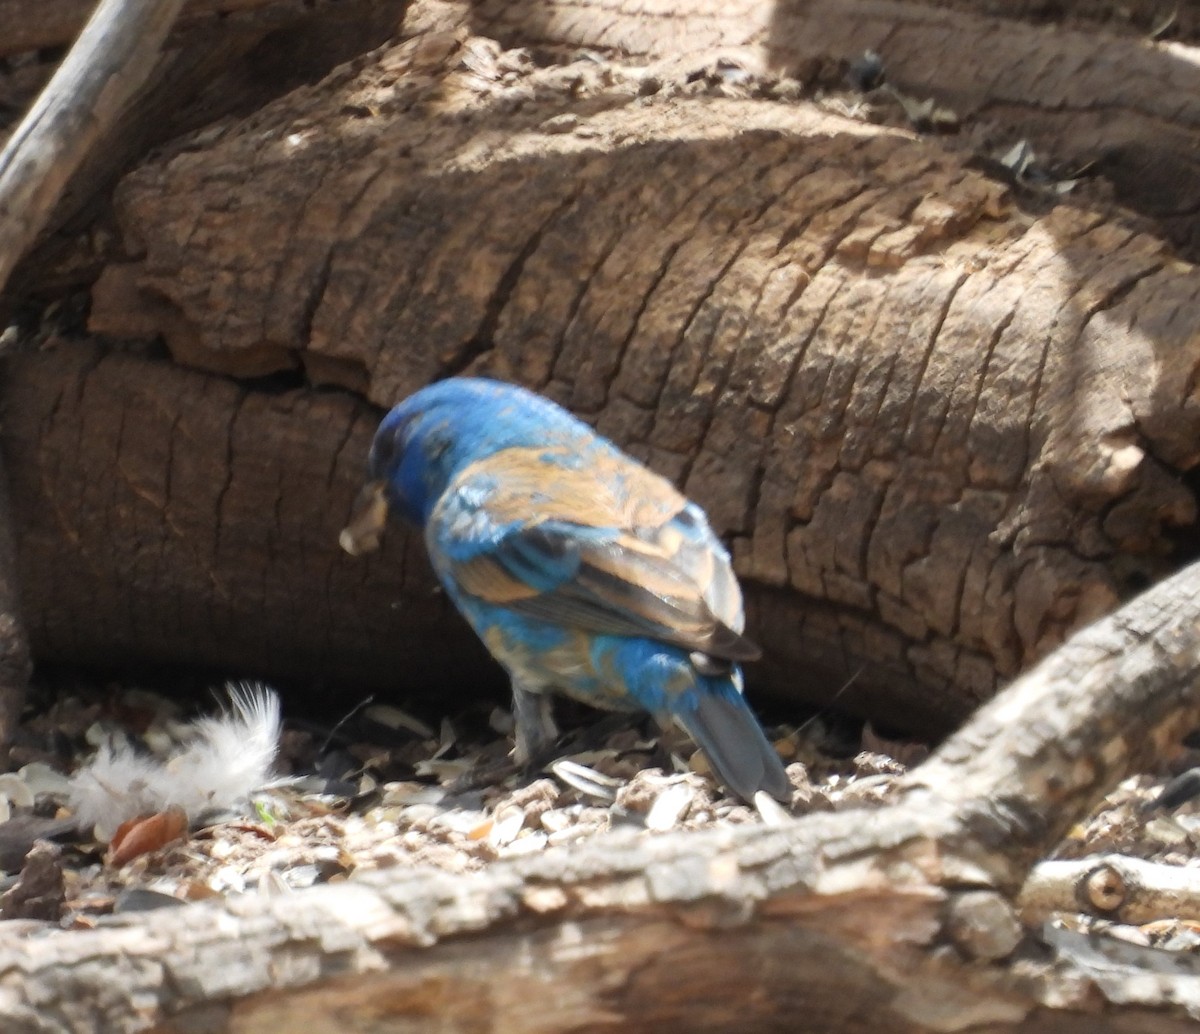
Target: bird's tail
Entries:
(723, 725)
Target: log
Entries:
(940, 429)
(941, 426)
(109, 62)
(1086, 97)
(222, 58)
(272, 470)
(37, 24)
(896, 918)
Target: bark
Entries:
(942, 426)
(1127, 890)
(895, 919)
(1085, 97)
(1143, 18)
(110, 61)
(942, 423)
(223, 59)
(104, 69)
(232, 499)
(39, 24)
(34, 24)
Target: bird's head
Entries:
(433, 434)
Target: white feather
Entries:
(228, 757)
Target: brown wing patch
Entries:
(638, 577)
(651, 579)
(611, 492)
(485, 579)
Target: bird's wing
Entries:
(595, 542)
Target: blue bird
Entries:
(582, 571)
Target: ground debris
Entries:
(388, 786)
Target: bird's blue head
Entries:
(434, 433)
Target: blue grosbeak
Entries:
(582, 571)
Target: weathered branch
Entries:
(1115, 699)
(1128, 890)
(108, 63)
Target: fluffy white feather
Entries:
(228, 757)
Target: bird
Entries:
(583, 572)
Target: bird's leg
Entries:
(533, 724)
(536, 734)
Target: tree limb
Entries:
(1127, 890)
(112, 58)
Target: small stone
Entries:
(668, 808)
(983, 925)
(39, 892)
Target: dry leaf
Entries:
(148, 833)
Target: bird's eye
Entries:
(388, 446)
(385, 449)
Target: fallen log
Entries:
(941, 425)
(1093, 99)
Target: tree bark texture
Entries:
(222, 59)
(36, 24)
(209, 478)
(108, 64)
(940, 425)
(942, 422)
(1085, 95)
(895, 919)
(110, 61)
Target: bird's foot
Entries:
(533, 726)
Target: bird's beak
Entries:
(367, 519)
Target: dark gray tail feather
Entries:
(737, 748)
